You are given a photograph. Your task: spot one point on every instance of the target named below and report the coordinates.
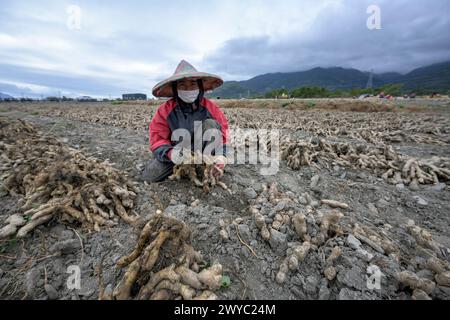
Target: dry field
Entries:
(362, 191)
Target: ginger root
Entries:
(282, 272)
(299, 221)
(422, 236)
(163, 265)
(335, 253)
(261, 224)
(14, 222)
(411, 280)
(328, 226)
(334, 204)
(62, 184)
(302, 251)
(201, 170)
(211, 276)
(330, 273)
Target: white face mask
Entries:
(188, 96)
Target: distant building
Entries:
(134, 96)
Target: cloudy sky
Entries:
(105, 48)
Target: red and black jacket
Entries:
(170, 116)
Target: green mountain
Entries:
(432, 77)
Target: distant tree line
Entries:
(395, 89)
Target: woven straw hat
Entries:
(185, 70)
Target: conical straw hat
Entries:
(185, 70)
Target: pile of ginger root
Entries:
(58, 182)
(200, 169)
(164, 266)
(381, 159)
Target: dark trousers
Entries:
(156, 171)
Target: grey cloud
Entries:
(56, 82)
(16, 91)
(413, 34)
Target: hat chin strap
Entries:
(183, 104)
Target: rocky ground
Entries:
(371, 227)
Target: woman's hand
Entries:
(219, 165)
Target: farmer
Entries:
(186, 109)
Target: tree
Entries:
(276, 93)
(393, 89)
(310, 92)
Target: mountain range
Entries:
(5, 96)
(435, 77)
(432, 77)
